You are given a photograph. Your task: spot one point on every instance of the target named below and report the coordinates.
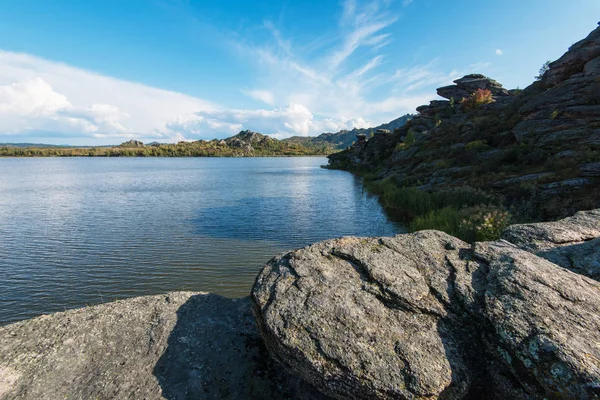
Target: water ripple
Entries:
(81, 231)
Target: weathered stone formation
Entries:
(132, 143)
(246, 139)
(176, 346)
(426, 315)
(569, 109)
(468, 85)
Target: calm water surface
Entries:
(80, 231)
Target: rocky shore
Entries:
(415, 316)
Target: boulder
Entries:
(425, 315)
(370, 318)
(545, 324)
(572, 243)
(581, 227)
(175, 346)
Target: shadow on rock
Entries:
(215, 352)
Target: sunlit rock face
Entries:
(425, 315)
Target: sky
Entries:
(100, 72)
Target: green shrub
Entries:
(477, 145)
(446, 219)
(483, 223)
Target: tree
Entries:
(543, 70)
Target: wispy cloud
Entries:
(351, 80)
(266, 96)
(338, 80)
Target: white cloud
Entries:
(294, 119)
(31, 97)
(265, 96)
(498, 52)
(338, 83)
(37, 95)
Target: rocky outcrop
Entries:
(174, 346)
(468, 85)
(582, 58)
(537, 148)
(425, 315)
(132, 143)
(569, 108)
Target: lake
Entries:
(81, 231)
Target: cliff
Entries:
(536, 150)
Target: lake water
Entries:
(80, 231)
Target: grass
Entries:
(466, 213)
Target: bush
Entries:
(466, 213)
(477, 145)
(476, 100)
(479, 223)
(407, 142)
(483, 223)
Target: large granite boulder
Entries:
(369, 318)
(425, 315)
(541, 236)
(176, 346)
(544, 324)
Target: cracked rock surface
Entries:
(179, 345)
(425, 316)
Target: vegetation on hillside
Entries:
(212, 148)
(467, 174)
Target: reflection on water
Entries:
(81, 231)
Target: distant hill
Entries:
(245, 143)
(37, 145)
(343, 139)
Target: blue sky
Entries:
(104, 71)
